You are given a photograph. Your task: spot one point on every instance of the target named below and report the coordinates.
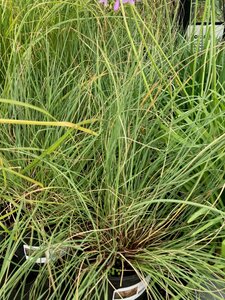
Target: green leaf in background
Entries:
(208, 225)
(197, 214)
(223, 249)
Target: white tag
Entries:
(196, 30)
(131, 292)
(48, 255)
(29, 250)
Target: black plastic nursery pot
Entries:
(128, 287)
(27, 247)
(184, 14)
(29, 250)
(32, 246)
(21, 255)
(192, 21)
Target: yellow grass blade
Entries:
(49, 123)
(22, 176)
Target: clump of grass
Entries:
(147, 190)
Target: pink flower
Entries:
(117, 3)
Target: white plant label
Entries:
(29, 251)
(131, 292)
(194, 31)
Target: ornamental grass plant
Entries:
(112, 153)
